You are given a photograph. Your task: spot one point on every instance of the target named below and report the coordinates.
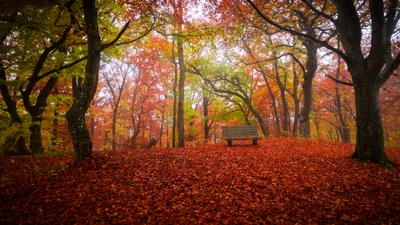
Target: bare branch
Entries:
(339, 81)
(297, 33)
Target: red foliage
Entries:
(278, 181)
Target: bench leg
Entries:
(255, 142)
(229, 142)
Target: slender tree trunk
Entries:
(161, 129)
(55, 129)
(296, 102)
(55, 122)
(85, 93)
(285, 108)
(205, 117)
(181, 99)
(276, 117)
(261, 122)
(163, 119)
(114, 130)
(92, 121)
(343, 129)
(175, 96)
(316, 122)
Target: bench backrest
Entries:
(240, 131)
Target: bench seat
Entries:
(241, 132)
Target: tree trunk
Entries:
(296, 102)
(92, 121)
(304, 118)
(36, 112)
(276, 117)
(370, 140)
(181, 99)
(263, 125)
(55, 122)
(344, 130)
(206, 100)
(36, 137)
(174, 122)
(113, 130)
(85, 93)
(285, 108)
(311, 67)
(80, 134)
(12, 110)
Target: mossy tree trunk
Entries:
(84, 92)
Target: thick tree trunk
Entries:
(80, 134)
(85, 93)
(12, 110)
(370, 139)
(36, 137)
(311, 67)
(304, 118)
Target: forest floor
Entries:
(280, 181)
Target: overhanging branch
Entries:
(339, 81)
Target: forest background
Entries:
(173, 72)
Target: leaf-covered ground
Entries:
(280, 181)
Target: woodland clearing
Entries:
(279, 181)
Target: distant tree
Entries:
(369, 70)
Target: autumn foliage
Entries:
(280, 181)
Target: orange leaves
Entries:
(279, 181)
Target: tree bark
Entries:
(285, 108)
(344, 131)
(174, 122)
(296, 102)
(206, 100)
(12, 110)
(36, 112)
(311, 67)
(370, 139)
(54, 132)
(181, 98)
(114, 131)
(36, 136)
(85, 93)
(368, 73)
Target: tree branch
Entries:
(296, 33)
(388, 70)
(339, 81)
(318, 12)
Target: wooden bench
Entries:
(242, 132)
